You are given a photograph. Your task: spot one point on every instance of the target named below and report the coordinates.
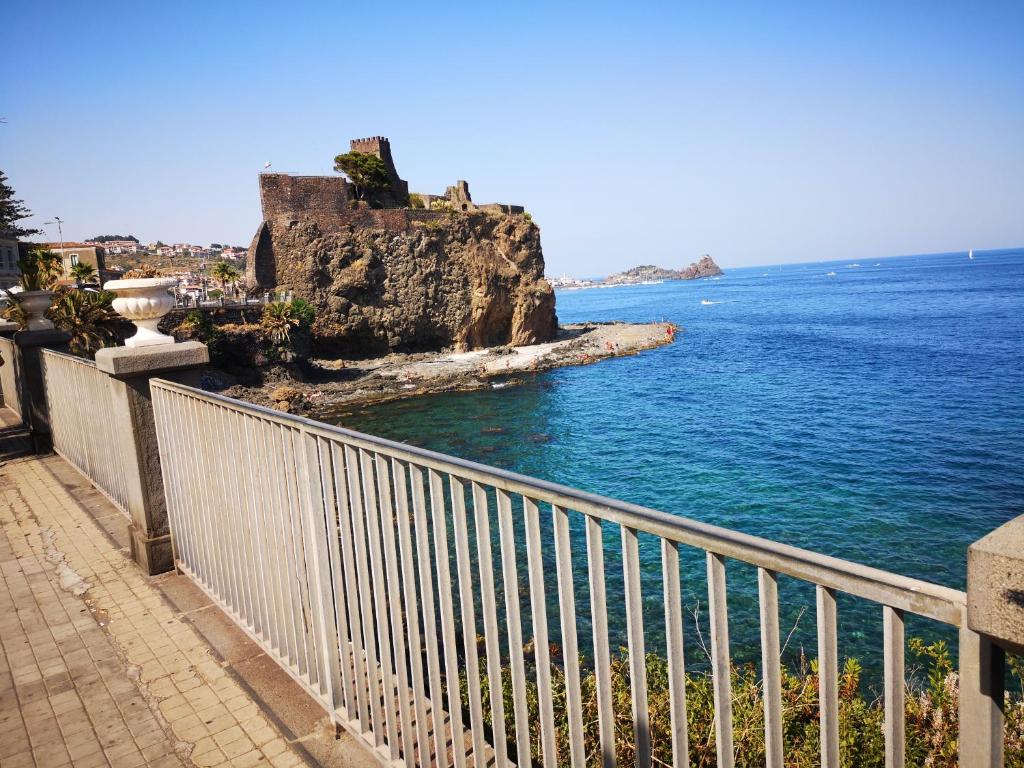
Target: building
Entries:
(10, 275)
(79, 253)
(116, 246)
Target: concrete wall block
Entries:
(995, 585)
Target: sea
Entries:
(872, 410)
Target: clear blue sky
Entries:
(634, 133)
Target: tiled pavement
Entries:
(97, 667)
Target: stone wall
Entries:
(322, 198)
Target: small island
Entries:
(645, 275)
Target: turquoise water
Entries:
(877, 415)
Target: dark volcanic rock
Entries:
(460, 280)
(706, 267)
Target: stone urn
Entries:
(144, 301)
(35, 304)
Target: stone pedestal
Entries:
(35, 414)
(995, 585)
(130, 371)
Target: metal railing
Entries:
(333, 549)
(9, 376)
(79, 399)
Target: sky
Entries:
(634, 133)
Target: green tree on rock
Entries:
(12, 211)
(367, 172)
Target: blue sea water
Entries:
(877, 415)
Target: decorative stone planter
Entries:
(35, 304)
(144, 301)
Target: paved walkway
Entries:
(97, 667)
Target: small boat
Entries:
(830, 274)
(970, 254)
(706, 302)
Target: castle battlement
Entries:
(330, 200)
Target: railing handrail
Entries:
(901, 592)
(69, 356)
(84, 434)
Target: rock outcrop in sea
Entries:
(705, 267)
(449, 274)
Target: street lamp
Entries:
(60, 230)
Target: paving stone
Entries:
(66, 696)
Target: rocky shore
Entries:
(337, 384)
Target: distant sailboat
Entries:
(970, 254)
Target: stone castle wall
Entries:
(316, 197)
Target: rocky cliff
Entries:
(441, 280)
(706, 267)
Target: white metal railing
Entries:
(79, 400)
(333, 550)
(9, 376)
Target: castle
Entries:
(330, 200)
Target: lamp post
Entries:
(60, 231)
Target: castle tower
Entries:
(381, 147)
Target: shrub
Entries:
(931, 714)
(40, 269)
(415, 201)
(197, 326)
(141, 273)
(90, 318)
(287, 325)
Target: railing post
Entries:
(28, 377)
(130, 370)
(994, 624)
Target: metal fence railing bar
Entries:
(400, 586)
(79, 400)
(9, 377)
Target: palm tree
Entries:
(224, 273)
(83, 273)
(278, 321)
(89, 317)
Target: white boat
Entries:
(706, 302)
(830, 274)
(970, 254)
